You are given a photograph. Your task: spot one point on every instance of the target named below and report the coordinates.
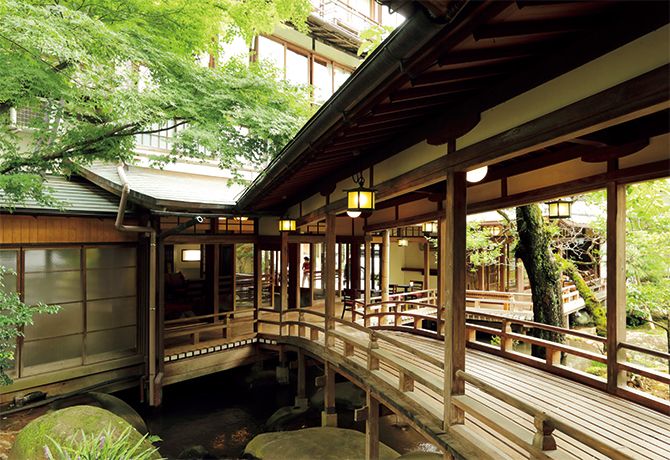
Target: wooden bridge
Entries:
(515, 406)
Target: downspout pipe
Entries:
(151, 233)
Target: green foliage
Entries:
(100, 72)
(104, 446)
(14, 315)
(483, 249)
(373, 37)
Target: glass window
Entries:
(53, 288)
(270, 50)
(111, 282)
(115, 340)
(8, 260)
(65, 351)
(45, 260)
(297, 68)
(323, 81)
(110, 313)
(68, 320)
(110, 257)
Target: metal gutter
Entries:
(418, 30)
(153, 377)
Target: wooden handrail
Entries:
(196, 318)
(639, 349)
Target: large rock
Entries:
(62, 424)
(323, 443)
(284, 415)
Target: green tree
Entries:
(99, 72)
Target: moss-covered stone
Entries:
(62, 424)
(323, 443)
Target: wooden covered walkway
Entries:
(503, 400)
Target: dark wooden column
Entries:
(312, 270)
(368, 268)
(426, 265)
(294, 275)
(258, 283)
(283, 260)
(386, 264)
(355, 268)
(453, 247)
(441, 293)
(616, 282)
(329, 277)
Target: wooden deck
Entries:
(618, 425)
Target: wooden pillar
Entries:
(426, 265)
(372, 428)
(301, 392)
(441, 292)
(312, 270)
(258, 283)
(368, 269)
(273, 277)
(454, 281)
(329, 414)
(283, 259)
(386, 264)
(329, 277)
(502, 272)
(294, 275)
(355, 268)
(340, 272)
(616, 282)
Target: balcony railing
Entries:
(343, 15)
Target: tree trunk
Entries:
(543, 273)
(591, 303)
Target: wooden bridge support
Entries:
(329, 414)
(616, 283)
(301, 391)
(453, 283)
(372, 428)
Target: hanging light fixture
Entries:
(361, 198)
(286, 224)
(560, 208)
(403, 243)
(429, 229)
(476, 175)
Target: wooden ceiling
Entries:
(493, 52)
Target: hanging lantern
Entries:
(286, 224)
(360, 199)
(429, 229)
(403, 243)
(560, 209)
(476, 175)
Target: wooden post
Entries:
(294, 275)
(372, 428)
(355, 268)
(340, 274)
(216, 264)
(329, 278)
(258, 283)
(616, 282)
(301, 392)
(283, 259)
(441, 294)
(386, 264)
(329, 414)
(454, 285)
(426, 265)
(312, 270)
(368, 268)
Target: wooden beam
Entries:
(372, 428)
(616, 283)
(523, 28)
(329, 278)
(454, 283)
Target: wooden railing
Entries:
(194, 326)
(380, 352)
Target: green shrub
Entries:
(103, 446)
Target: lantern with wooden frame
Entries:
(286, 224)
(560, 208)
(360, 199)
(403, 242)
(429, 229)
